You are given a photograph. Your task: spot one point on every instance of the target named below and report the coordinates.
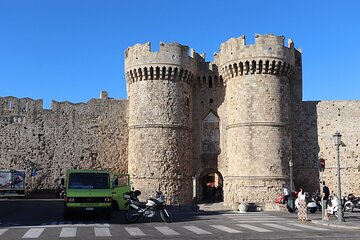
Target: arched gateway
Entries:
(211, 186)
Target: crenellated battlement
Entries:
(66, 106)
(269, 39)
(14, 105)
(173, 54)
(267, 47)
(173, 62)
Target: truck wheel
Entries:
(67, 213)
(108, 214)
(115, 205)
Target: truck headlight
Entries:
(71, 200)
(107, 199)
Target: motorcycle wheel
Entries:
(313, 210)
(62, 195)
(166, 215)
(337, 215)
(349, 207)
(132, 216)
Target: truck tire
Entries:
(114, 205)
(108, 214)
(66, 213)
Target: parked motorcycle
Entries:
(314, 203)
(290, 201)
(351, 203)
(333, 206)
(146, 209)
(61, 192)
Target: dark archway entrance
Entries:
(211, 186)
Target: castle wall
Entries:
(90, 136)
(319, 121)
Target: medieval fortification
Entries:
(233, 125)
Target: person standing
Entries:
(286, 193)
(302, 209)
(325, 199)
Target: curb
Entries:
(338, 225)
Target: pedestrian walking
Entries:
(302, 210)
(325, 199)
(286, 194)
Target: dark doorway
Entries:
(212, 186)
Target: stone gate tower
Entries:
(159, 87)
(252, 91)
(258, 98)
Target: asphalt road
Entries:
(42, 219)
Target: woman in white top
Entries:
(302, 210)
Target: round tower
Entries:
(258, 99)
(159, 88)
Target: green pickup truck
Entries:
(94, 191)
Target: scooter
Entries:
(333, 206)
(314, 204)
(351, 203)
(290, 203)
(147, 209)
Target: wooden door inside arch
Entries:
(211, 183)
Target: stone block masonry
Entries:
(233, 125)
(89, 135)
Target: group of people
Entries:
(302, 205)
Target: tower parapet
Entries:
(267, 56)
(173, 61)
(172, 53)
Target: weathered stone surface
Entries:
(240, 116)
(89, 136)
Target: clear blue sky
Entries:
(70, 50)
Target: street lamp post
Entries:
(337, 141)
(291, 164)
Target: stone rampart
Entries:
(89, 135)
(319, 121)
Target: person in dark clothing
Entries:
(325, 198)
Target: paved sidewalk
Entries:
(351, 221)
(213, 207)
